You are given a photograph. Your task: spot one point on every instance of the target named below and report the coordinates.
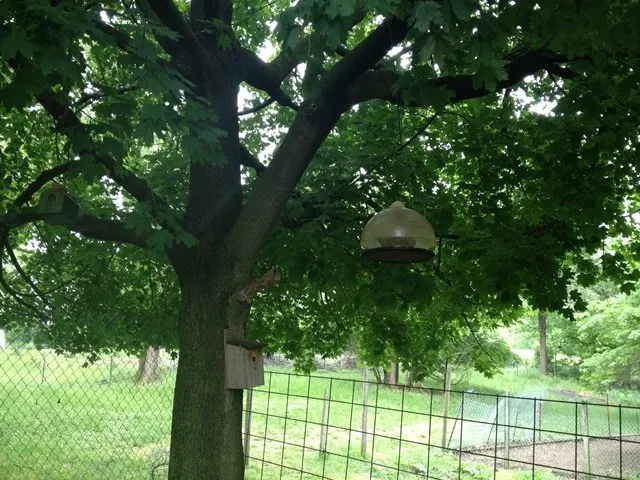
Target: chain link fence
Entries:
(61, 418)
(64, 418)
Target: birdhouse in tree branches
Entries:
(244, 363)
(57, 206)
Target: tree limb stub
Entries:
(246, 294)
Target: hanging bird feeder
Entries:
(398, 235)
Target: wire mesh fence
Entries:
(63, 418)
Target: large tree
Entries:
(134, 107)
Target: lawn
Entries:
(70, 422)
(62, 420)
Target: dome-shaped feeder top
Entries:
(398, 235)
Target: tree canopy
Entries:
(227, 137)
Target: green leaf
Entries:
(295, 35)
(340, 8)
(16, 42)
(488, 75)
(186, 239)
(425, 14)
(225, 41)
(160, 241)
(461, 8)
(113, 147)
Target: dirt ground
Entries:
(564, 458)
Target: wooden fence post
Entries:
(608, 414)
(325, 421)
(507, 428)
(585, 440)
(247, 426)
(44, 367)
(539, 414)
(447, 401)
(365, 403)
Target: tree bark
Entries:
(206, 440)
(392, 375)
(148, 366)
(542, 331)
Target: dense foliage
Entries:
(601, 344)
(224, 137)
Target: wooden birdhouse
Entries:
(57, 206)
(244, 363)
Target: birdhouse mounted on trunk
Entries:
(244, 363)
(57, 206)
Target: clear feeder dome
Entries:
(398, 235)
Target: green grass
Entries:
(73, 423)
(61, 420)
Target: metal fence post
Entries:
(365, 403)
(585, 439)
(247, 426)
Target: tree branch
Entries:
(265, 77)
(122, 40)
(250, 161)
(23, 274)
(380, 84)
(256, 108)
(169, 15)
(68, 123)
(364, 56)
(5, 285)
(16, 296)
(312, 125)
(87, 225)
(169, 45)
(39, 182)
(89, 97)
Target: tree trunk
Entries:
(206, 433)
(148, 366)
(392, 375)
(542, 331)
